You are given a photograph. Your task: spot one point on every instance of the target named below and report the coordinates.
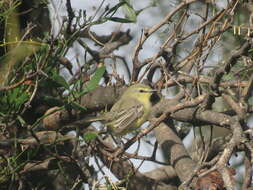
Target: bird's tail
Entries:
(106, 116)
(90, 119)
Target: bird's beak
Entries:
(151, 91)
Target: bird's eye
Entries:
(141, 90)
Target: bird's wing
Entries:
(124, 118)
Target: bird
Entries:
(129, 112)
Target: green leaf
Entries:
(121, 20)
(89, 136)
(14, 99)
(60, 80)
(13, 95)
(75, 105)
(93, 83)
(129, 12)
(22, 98)
(114, 9)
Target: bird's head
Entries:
(141, 92)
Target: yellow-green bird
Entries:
(130, 111)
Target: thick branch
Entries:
(175, 150)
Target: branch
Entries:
(123, 168)
(229, 64)
(175, 151)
